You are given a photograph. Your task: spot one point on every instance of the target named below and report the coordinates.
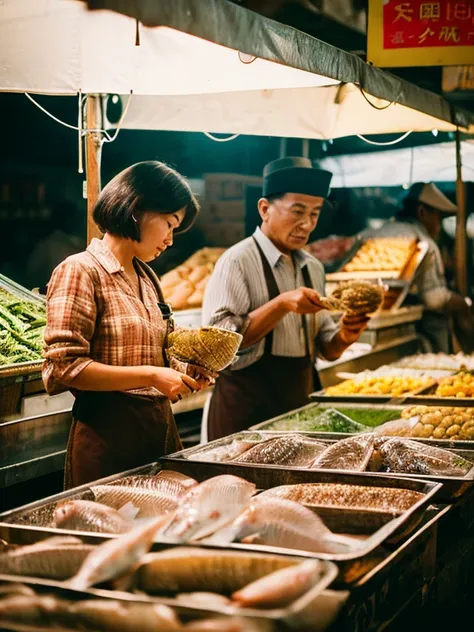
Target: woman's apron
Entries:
(114, 431)
(271, 386)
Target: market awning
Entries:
(397, 167)
(211, 65)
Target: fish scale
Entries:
(286, 450)
(168, 483)
(353, 453)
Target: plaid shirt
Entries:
(94, 315)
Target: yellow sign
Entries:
(417, 33)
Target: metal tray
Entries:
(20, 368)
(311, 607)
(31, 522)
(265, 476)
(264, 427)
(404, 400)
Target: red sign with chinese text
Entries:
(417, 24)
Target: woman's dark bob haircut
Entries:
(149, 186)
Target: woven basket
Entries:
(210, 347)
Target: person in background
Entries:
(66, 238)
(420, 217)
(268, 289)
(107, 327)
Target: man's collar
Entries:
(273, 254)
(104, 256)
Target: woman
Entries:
(107, 327)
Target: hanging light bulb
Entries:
(435, 132)
(405, 186)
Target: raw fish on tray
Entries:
(188, 569)
(293, 450)
(284, 523)
(226, 452)
(208, 507)
(167, 482)
(85, 515)
(58, 557)
(353, 453)
(410, 457)
(149, 502)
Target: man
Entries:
(268, 289)
(420, 217)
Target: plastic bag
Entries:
(397, 428)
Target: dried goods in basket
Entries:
(210, 347)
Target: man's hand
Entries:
(304, 300)
(352, 325)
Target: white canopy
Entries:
(397, 167)
(181, 81)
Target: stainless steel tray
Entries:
(32, 522)
(266, 476)
(404, 400)
(311, 607)
(265, 426)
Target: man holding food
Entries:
(420, 218)
(269, 290)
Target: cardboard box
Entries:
(224, 234)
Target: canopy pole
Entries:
(93, 161)
(460, 248)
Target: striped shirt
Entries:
(237, 287)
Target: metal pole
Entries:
(461, 232)
(93, 161)
(305, 148)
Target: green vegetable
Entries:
(370, 416)
(22, 325)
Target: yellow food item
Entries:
(460, 385)
(381, 385)
(382, 254)
(184, 286)
(442, 423)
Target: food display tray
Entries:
(20, 368)
(319, 605)
(265, 426)
(31, 523)
(404, 400)
(265, 476)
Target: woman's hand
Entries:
(202, 376)
(171, 383)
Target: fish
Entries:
(167, 482)
(393, 499)
(187, 569)
(292, 450)
(115, 557)
(208, 507)
(16, 589)
(121, 616)
(287, 524)
(409, 457)
(87, 515)
(53, 558)
(226, 452)
(44, 611)
(280, 588)
(149, 502)
(353, 453)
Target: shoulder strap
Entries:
(151, 274)
(273, 292)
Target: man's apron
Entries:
(271, 386)
(115, 431)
